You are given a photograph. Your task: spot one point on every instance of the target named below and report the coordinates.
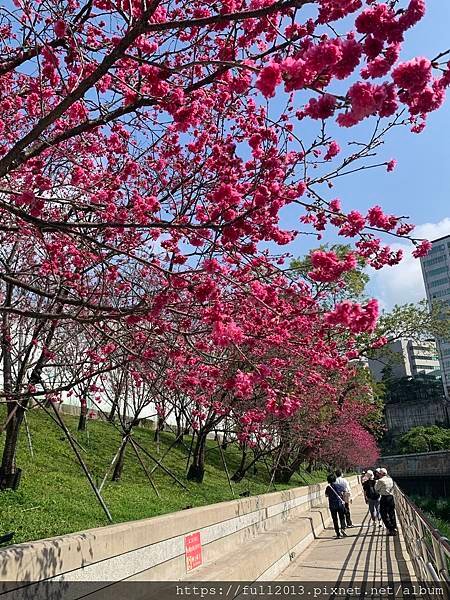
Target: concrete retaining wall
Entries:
(424, 464)
(402, 416)
(154, 549)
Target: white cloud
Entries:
(432, 231)
(404, 282)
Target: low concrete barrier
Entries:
(155, 549)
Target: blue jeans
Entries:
(374, 508)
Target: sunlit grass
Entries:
(55, 497)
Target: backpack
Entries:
(370, 490)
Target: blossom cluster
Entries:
(144, 173)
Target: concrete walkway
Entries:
(366, 555)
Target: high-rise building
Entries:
(406, 358)
(414, 392)
(436, 275)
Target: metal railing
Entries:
(429, 550)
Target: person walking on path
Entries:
(385, 487)
(372, 497)
(347, 496)
(334, 492)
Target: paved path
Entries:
(367, 554)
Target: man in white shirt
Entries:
(385, 487)
(347, 496)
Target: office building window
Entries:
(437, 271)
(443, 281)
(435, 249)
(434, 261)
(440, 293)
(429, 349)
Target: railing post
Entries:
(431, 559)
(423, 549)
(439, 558)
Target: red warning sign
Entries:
(193, 551)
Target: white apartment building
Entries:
(423, 358)
(406, 358)
(436, 275)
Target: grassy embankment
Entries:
(54, 496)
(437, 510)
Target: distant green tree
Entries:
(351, 285)
(423, 388)
(425, 439)
(415, 321)
(412, 321)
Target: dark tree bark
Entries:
(239, 474)
(197, 468)
(118, 469)
(159, 427)
(224, 441)
(8, 466)
(286, 467)
(243, 468)
(112, 414)
(9, 473)
(83, 414)
(224, 436)
(180, 428)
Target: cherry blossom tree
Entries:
(146, 150)
(349, 445)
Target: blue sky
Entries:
(420, 185)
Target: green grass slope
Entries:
(54, 496)
(437, 510)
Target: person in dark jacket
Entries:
(372, 497)
(335, 492)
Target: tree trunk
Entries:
(283, 474)
(119, 464)
(254, 461)
(180, 428)
(197, 469)
(224, 440)
(239, 474)
(83, 415)
(286, 468)
(112, 414)
(225, 436)
(159, 427)
(9, 473)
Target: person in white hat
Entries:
(385, 487)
